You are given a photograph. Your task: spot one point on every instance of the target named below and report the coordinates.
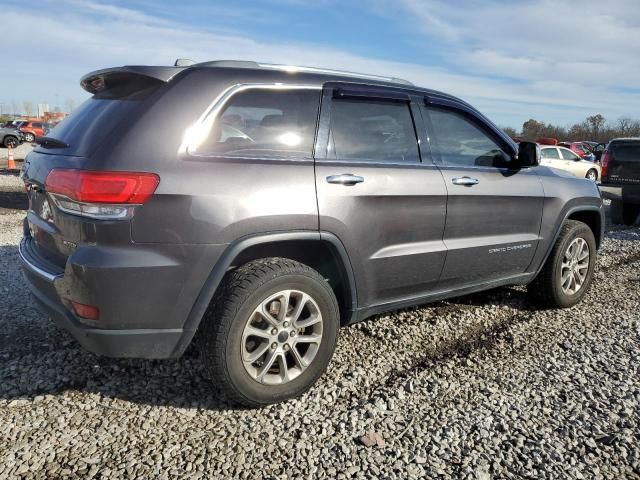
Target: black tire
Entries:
(623, 213)
(29, 137)
(221, 333)
(546, 289)
(10, 141)
(592, 174)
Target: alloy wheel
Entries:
(575, 266)
(281, 337)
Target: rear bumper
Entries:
(46, 284)
(626, 193)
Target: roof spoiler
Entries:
(99, 80)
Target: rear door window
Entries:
(372, 131)
(261, 122)
(550, 154)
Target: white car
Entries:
(564, 159)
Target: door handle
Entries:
(345, 179)
(466, 181)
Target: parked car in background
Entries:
(621, 179)
(598, 149)
(579, 149)
(297, 201)
(15, 124)
(565, 159)
(547, 141)
(10, 137)
(31, 130)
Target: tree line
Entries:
(594, 128)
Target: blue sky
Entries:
(554, 61)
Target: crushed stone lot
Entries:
(480, 387)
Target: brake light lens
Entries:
(102, 195)
(102, 187)
(604, 164)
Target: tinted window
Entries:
(265, 123)
(36, 125)
(568, 155)
(94, 119)
(370, 130)
(626, 152)
(460, 142)
(551, 153)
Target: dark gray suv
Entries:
(256, 208)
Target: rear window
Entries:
(626, 152)
(261, 122)
(92, 121)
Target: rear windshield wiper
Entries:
(50, 142)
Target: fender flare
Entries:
(570, 211)
(225, 261)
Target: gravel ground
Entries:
(480, 387)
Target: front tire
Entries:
(566, 275)
(29, 137)
(10, 141)
(271, 332)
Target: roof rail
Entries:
(297, 68)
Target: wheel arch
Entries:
(592, 218)
(591, 215)
(332, 262)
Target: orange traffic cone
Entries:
(11, 163)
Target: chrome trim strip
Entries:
(34, 268)
(346, 73)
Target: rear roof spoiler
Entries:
(95, 81)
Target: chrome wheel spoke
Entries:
(266, 366)
(251, 331)
(313, 338)
(312, 320)
(300, 361)
(295, 315)
(284, 369)
(251, 357)
(267, 316)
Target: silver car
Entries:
(565, 159)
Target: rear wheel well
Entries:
(592, 219)
(320, 255)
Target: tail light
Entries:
(102, 195)
(604, 165)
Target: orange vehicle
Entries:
(31, 130)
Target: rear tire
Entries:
(623, 213)
(573, 257)
(270, 333)
(29, 137)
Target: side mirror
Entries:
(528, 155)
